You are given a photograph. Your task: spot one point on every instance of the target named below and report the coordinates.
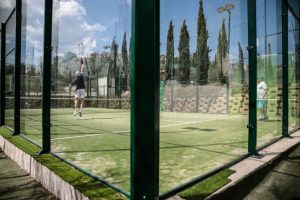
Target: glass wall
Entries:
(32, 63)
(91, 52)
(10, 42)
(269, 71)
(204, 87)
(294, 67)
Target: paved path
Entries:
(16, 184)
(282, 182)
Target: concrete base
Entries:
(251, 171)
(42, 174)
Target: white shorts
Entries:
(79, 94)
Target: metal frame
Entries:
(46, 96)
(145, 112)
(2, 72)
(17, 67)
(144, 77)
(285, 70)
(252, 50)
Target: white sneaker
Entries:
(75, 113)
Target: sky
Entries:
(85, 26)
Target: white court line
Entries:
(127, 131)
(184, 123)
(80, 136)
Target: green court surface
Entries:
(191, 144)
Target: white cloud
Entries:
(7, 4)
(129, 2)
(92, 27)
(70, 20)
(71, 8)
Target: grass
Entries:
(191, 144)
(207, 187)
(88, 186)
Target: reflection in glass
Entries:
(31, 81)
(204, 87)
(294, 67)
(269, 71)
(91, 58)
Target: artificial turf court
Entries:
(191, 144)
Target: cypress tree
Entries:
(269, 74)
(222, 52)
(125, 61)
(114, 53)
(169, 53)
(241, 64)
(202, 51)
(184, 54)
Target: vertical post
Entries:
(285, 71)
(46, 123)
(197, 87)
(172, 81)
(252, 50)
(145, 98)
(17, 67)
(2, 72)
(228, 73)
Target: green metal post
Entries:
(2, 72)
(252, 49)
(285, 71)
(197, 87)
(145, 99)
(172, 81)
(17, 67)
(46, 122)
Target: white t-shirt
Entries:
(261, 89)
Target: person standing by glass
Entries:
(262, 101)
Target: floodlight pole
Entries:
(222, 9)
(172, 81)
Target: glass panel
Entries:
(31, 76)
(90, 38)
(294, 67)
(9, 70)
(269, 71)
(204, 88)
(5, 9)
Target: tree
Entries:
(269, 74)
(222, 52)
(114, 54)
(202, 57)
(125, 61)
(184, 54)
(169, 67)
(241, 64)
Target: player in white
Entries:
(80, 90)
(262, 101)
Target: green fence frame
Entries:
(17, 67)
(145, 128)
(285, 70)
(145, 65)
(252, 52)
(2, 73)
(46, 96)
